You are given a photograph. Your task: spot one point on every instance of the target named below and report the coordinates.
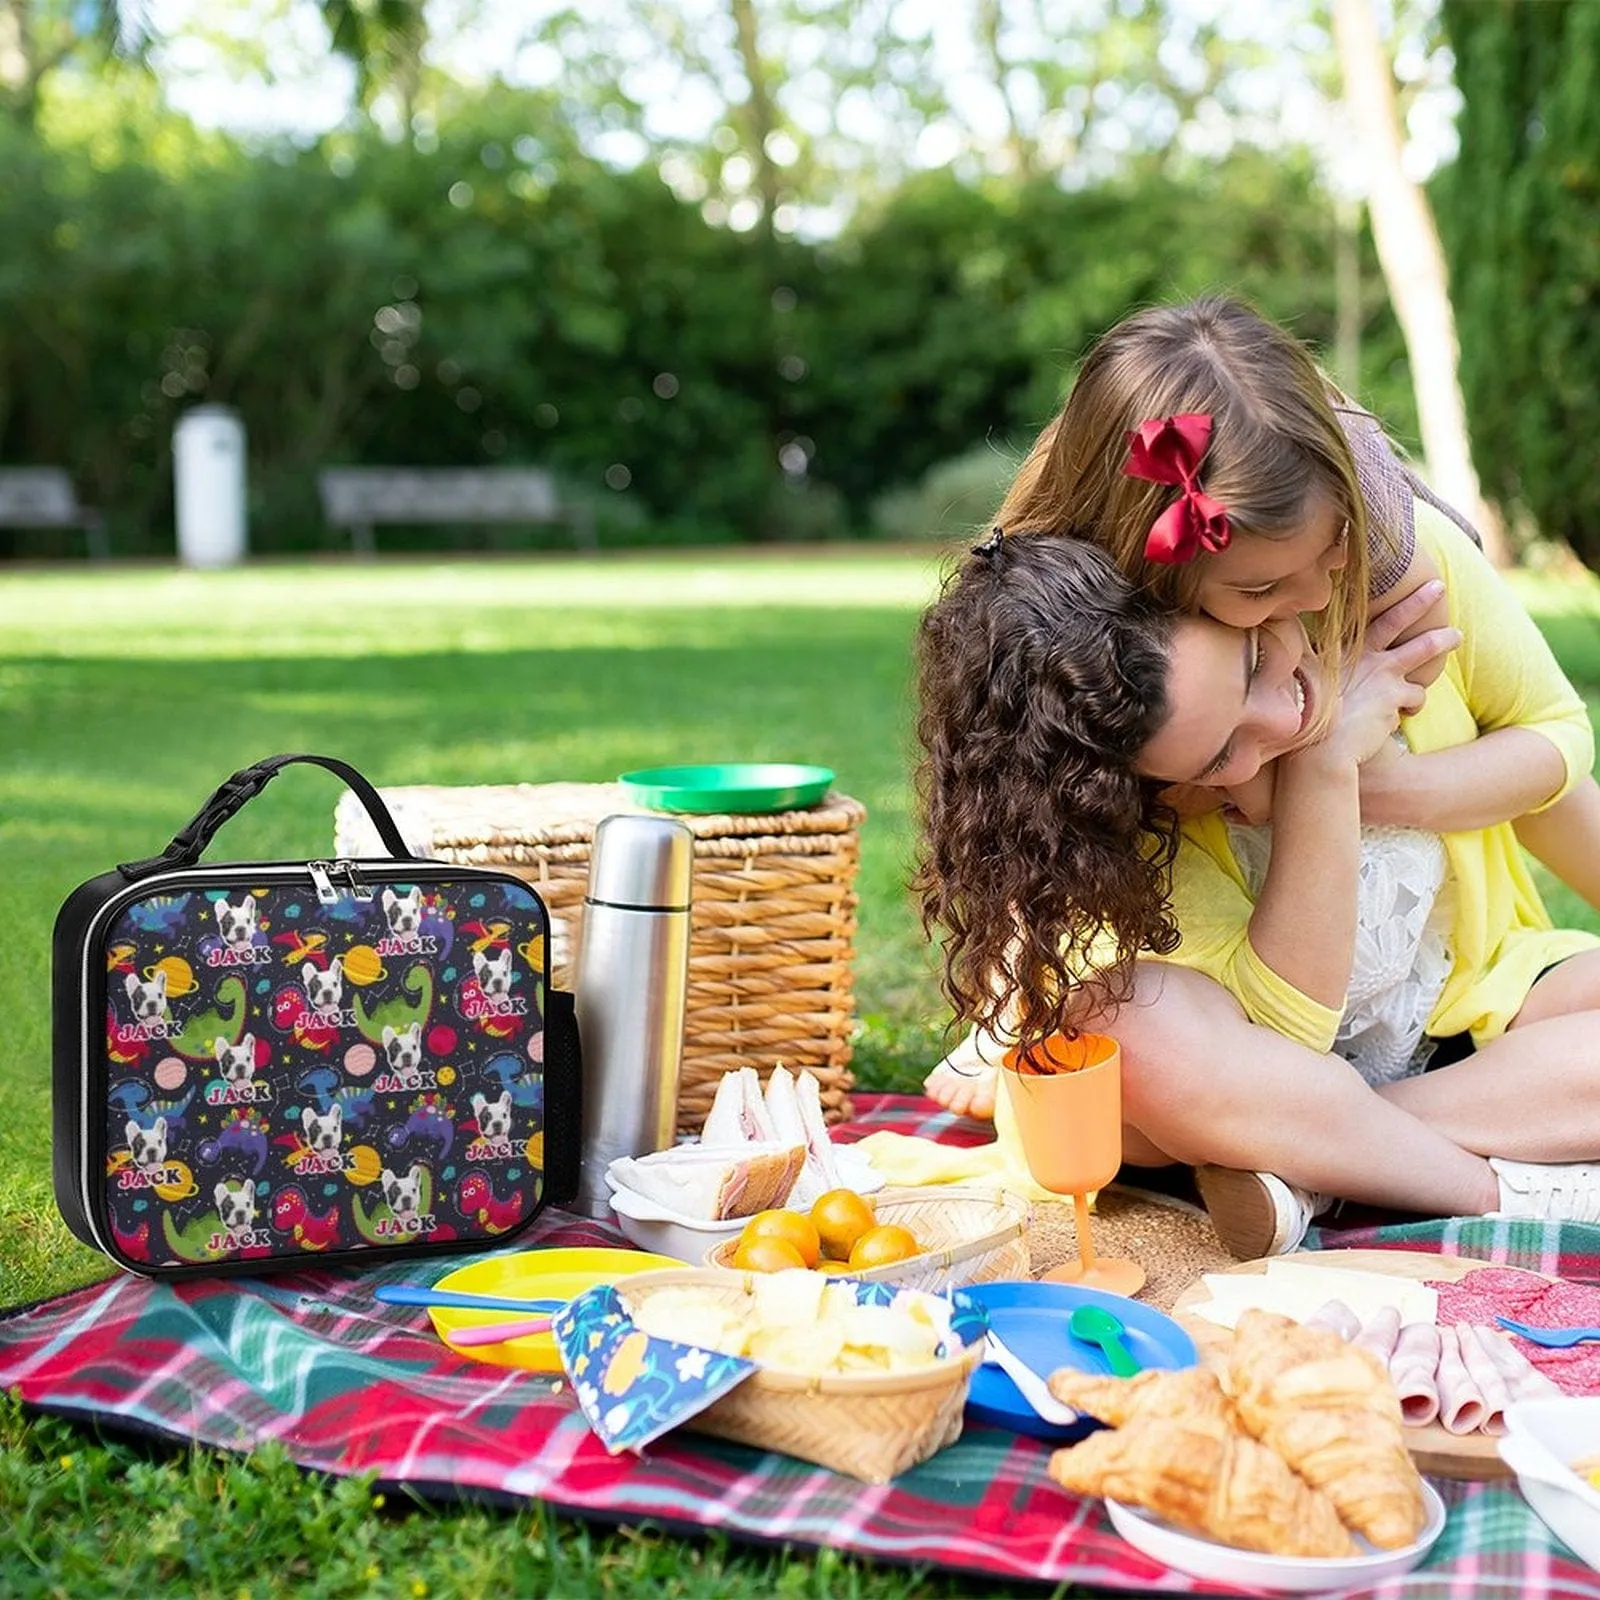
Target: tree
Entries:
(384, 40)
(1413, 267)
(37, 37)
(1518, 214)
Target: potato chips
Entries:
(797, 1321)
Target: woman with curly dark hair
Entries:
(1042, 676)
(1058, 707)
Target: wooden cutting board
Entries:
(1434, 1448)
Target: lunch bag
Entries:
(268, 1064)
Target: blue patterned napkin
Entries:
(632, 1387)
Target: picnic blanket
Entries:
(347, 1385)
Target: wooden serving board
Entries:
(1434, 1448)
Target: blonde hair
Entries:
(1275, 439)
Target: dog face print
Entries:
(237, 1062)
(323, 1133)
(236, 924)
(404, 912)
(324, 990)
(494, 1116)
(404, 1050)
(404, 1195)
(148, 1146)
(148, 1000)
(492, 972)
(236, 1204)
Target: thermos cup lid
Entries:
(646, 862)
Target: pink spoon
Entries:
(499, 1332)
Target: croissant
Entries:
(1193, 1393)
(1329, 1409)
(1203, 1476)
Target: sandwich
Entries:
(796, 1112)
(790, 1112)
(714, 1185)
(738, 1112)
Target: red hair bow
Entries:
(1169, 450)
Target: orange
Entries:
(841, 1217)
(887, 1242)
(766, 1255)
(790, 1226)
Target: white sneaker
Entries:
(1561, 1191)
(1256, 1213)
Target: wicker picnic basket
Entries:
(968, 1236)
(867, 1425)
(772, 929)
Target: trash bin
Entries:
(208, 486)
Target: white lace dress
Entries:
(1402, 953)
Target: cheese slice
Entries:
(1297, 1288)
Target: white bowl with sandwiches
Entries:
(760, 1149)
(663, 1232)
(1553, 1446)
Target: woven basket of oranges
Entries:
(956, 1236)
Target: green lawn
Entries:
(126, 695)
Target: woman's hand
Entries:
(1378, 689)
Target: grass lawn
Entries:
(125, 696)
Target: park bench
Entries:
(361, 498)
(43, 497)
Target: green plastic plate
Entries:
(734, 786)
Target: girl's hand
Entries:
(1437, 615)
(1378, 689)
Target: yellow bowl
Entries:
(531, 1275)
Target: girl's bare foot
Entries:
(963, 1082)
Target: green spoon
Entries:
(1096, 1325)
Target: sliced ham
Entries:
(1379, 1333)
(1461, 1406)
(1486, 1376)
(1337, 1317)
(1413, 1368)
(1523, 1380)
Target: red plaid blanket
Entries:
(347, 1385)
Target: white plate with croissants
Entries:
(1281, 1465)
(1221, 1563)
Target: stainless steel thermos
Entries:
(631, 978)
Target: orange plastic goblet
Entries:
(1067, 1099)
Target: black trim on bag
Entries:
(563, 1097)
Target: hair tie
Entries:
(990, 547)
(1170, 450)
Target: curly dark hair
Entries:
(1045, 857)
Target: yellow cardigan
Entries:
(1502, 676)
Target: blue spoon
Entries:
(419, 1294)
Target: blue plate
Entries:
(1032, 1318)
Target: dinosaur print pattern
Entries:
(288, 1077)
